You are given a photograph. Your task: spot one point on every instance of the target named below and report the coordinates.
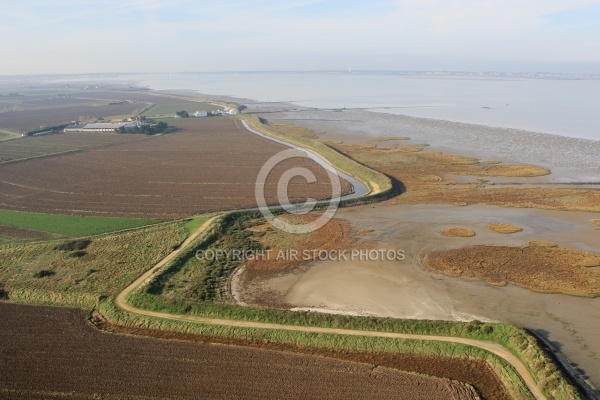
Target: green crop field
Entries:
(69, 225)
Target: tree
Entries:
(182, 114)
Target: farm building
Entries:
(102, 127)
(201, 113)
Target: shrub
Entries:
(74, 245)
(3, 293)
(43, 273)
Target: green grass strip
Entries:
(195, 223)
(69, 225)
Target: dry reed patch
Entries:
(410, 163)
(389, 138)
(294, 129)
(504, 228)
(490, 162)
(448, 193)
(541, 243)
(517, 170)
(595, 221)
(457, 232)
(535, 267)
(296, 248)
(418, 170)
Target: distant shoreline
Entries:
(559, 104)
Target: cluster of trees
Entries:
(145, 129)
(47, 129)
(182, 114)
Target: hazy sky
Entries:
(81, 36)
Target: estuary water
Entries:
(565, 107)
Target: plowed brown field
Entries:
(208, 165)
(60, 113)
(52, 353)
(37, 146)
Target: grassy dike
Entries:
(380, 186)
(512, 337)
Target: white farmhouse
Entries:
(201, 113)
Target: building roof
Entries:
(110, 125)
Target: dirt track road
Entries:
(492, 347)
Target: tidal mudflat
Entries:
(406, 289)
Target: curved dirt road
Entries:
(492, 347)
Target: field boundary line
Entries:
(60, 153)
(492, 347)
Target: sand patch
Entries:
(595, 221)
(540, 268)
(504, 228)
(457, 232)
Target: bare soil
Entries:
(51, 353)
(471, 371)
(13, 233)
(209, 165)
(38, 146)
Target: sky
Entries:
(83, 36)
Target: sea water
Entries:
(566, 107)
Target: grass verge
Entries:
(193, 224)
(80, 272)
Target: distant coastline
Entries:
(558, 104)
